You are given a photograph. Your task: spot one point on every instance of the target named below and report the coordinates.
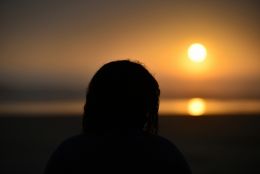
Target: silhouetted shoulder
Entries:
(139, 152)
(169, 156)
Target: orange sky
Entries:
(50, 50)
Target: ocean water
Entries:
(193, 106)
(215, 136)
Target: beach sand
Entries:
(211, 144)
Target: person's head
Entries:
(122, 95)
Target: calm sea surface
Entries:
(194, 107)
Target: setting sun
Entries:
(196, 107)
(197, 52)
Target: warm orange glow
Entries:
(197, 53)
(196, 107)
(191, 66)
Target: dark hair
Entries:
(122, 95)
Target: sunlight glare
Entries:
(196, 107)
(197, 53)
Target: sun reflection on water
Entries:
(171, 107)
(196, 107)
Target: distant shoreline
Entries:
(55, 115)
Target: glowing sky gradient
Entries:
(50, 49)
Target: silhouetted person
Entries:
(120, 126)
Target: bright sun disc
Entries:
(196, 107)
(197, 52)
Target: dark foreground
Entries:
(216, 144)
